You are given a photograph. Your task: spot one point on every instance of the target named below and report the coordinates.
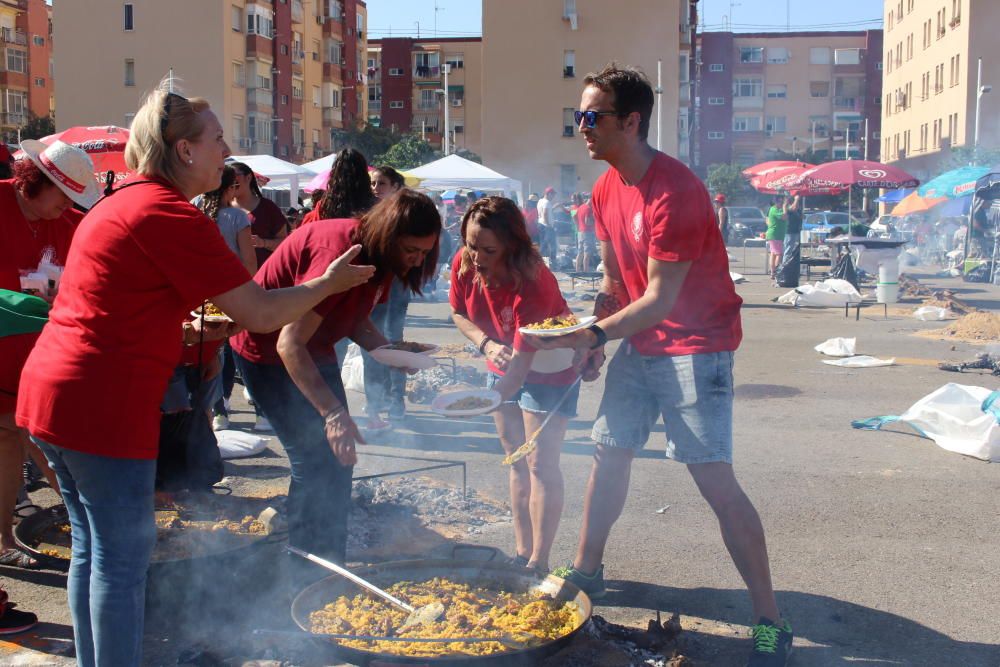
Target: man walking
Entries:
(549, 244)
(668, 294)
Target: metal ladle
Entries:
(417, 616)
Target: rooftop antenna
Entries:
(418, 29)
(437, 9)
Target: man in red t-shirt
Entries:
(668, 294)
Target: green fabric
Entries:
(776, 224)
(21, 313)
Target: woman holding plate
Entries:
(294, 374)
(499, 284)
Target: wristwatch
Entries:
(602, 337)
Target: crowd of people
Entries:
(91, 391)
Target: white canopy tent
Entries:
(284, 176)
(320, 165)
(452, 172)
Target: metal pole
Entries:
(865, 203)
(447, 104)
(979, 99)
(812, 142)
(423, 129)
(659, 105)
(866, 138)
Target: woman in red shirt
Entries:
(348, 192)
(268, 224)
(36, 217)
(294, 374)
(499, 283)
(142, 259)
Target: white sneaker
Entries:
(220, 423)
(246, 395)
(225, 403)
(263, 425)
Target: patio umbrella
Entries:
(954, 183)
(779, 180)
(914, 203)
(104, 144)
(894, 196)
(765, 167)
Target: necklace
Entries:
(32, 227)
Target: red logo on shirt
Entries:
(507, 318)
(637, 226)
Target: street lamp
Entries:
(980, 91)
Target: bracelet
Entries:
(483, 343)
(602, 337)
(333, 414)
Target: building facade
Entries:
(283, 79)
(26, 69)
(407, 84)
(762, 96)
(535, 56)
(930, 92)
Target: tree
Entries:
(726, 179)
(411, 151)
(36, 127)
(468, 155)
(370, 140)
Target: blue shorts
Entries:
(541, 397)
(693, 393)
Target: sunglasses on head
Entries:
(165, 119)
(591, 116)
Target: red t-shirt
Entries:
(305, 255)
(501, 311)
(22, 245)
(584, 218)
(531, 222)
(142, 259)
(668, 216)
(266, 221)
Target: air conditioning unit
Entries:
(456, 103)
(246, 142)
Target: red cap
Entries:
(721, 198)
(550, 190)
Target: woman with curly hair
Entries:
(348, 191)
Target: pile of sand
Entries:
(976, 327)
(951, 303)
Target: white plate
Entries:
(211, 318)
(583, 324)
(552, 361)
(401, 359)
(442, 401)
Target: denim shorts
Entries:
(693, 393)
(586, 242)
(535, 397)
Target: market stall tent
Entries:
(284, 176)
(453, 172)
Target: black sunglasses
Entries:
(592, 116)
(165, 119)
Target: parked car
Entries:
(830, 219)
(745, 222)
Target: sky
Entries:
(461, 18)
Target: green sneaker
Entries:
(591, 584)
(772, 644)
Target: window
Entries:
(569, 124)
(395, 104)
(569, 8)
(38, 40)
(335, 98)
(747, 87)
(129, 70)
(746, 123)
(819, 126)
(335, 52)
(239, 75)
(458, 129)
(714, 135)
(909, 46)
(260, 21)
(39, 82)
(284, 99)
(777, 91)
(284, 49)
(569, 64)
(819, 55)
(716, 67)
(716, 101)
(775, 124)
(456, 60)
(128, 18)
(819, 89)
(129, 117)
(395, 71)
(777, 55)
(237, 129)
(751, 54)
(237, 18)
(316, 96)
(428, 100)
(853, 56)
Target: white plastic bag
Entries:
(737, 277)
(830, 293)
(960, 418)
(837, 347)
(931, 313)
(860, 361)
(237, 444)
(352, 369)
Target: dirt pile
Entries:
(940, 298)
(976, 327)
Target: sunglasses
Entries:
(167, 103)
(591, 116)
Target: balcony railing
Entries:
(13, 37)
(333, 115)
(297, 12)
(841, 102)
(427, 71)
(12, 119)
(260, 96)
(429, 106)
(374, 105)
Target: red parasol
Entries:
(782, 180)
(765, 167)
(104, 144)
(860, 173)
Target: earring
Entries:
(190, 161)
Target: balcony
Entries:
(297, 14)
(374, 105)
(9, 36)
(333, 117)
(12, 119)
(428, 106)
(333, 72)
(260, 97)
(847, 103)
(297, 106)
(427, 72)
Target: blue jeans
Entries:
(319, 494)
(385, 388)
(110, 505)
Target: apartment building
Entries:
(284, 77)
(765, 95)
(26, 68)
(932, 48)
(406, 88)
(535, 55)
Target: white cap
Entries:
(68, 167)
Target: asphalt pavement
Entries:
(883, 546)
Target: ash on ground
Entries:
(381, 507)
(448, 374)
(604, 644)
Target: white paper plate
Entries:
(211, 318)
(583, 324)
(552, 361)
(442, 401)
(401, 359)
